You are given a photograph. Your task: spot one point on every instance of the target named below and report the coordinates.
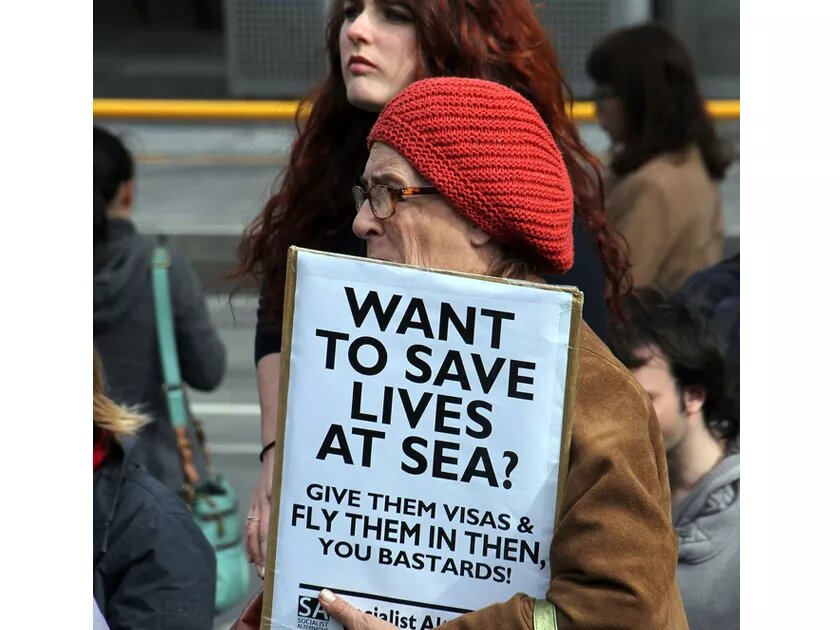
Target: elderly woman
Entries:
(463, 175)
(375, 49)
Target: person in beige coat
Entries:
(666, 160)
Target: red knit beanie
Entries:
(486, 149)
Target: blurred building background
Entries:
(201, 183)
(272, 48)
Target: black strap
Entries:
(267, 448)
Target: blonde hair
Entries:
(108, 415)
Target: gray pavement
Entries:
(212, 179)
(231, 414)
(201, 184)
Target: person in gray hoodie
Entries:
(672, 351)
(124, 327)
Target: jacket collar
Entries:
(118, 228)
(123, 447)
(708, 520)
(707, 495)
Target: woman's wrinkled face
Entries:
(425, 231)
(379, 53)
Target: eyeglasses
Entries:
(602, 93)
(383, 199)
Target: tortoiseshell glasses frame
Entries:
(383, 199)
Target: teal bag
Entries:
(215, 509)
(211, 499)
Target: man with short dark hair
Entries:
(672, 352)
(716, 291)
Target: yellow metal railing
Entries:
(583, 111)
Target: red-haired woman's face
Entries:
(378, 46)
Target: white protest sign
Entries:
(422, 431)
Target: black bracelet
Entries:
(267, 448)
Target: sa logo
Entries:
(310, 608)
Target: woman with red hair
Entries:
(376, 48)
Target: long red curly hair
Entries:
(499, 40)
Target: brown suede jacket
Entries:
(614, 553)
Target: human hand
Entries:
(349, 616)
(259, 514)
